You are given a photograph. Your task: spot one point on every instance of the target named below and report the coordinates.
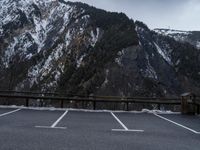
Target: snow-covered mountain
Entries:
(192, 37)
(54, 45)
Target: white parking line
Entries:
(49, 127)
(59, 119)
(53, 126)
(125, 128)
(129, 130)
(180, 125)
(123, 125)
(10, 112)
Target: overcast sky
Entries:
(174, 14)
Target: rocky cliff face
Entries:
(74, 48)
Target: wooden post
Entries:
(184, 105)
(158, 106)
(27, 102)
(82, 104)
(198, 109)
(127, 106)
(94, 105)
(41, 103)
(62, 103)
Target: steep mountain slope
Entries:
(175, 63)
(51, 45)
(75, 48)
(158, 66)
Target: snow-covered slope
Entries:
(48, 44)
(192, 37)
(42, 31)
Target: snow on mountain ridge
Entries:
(192, 37)
(178, 35)
(171, 31)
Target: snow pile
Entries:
(87, 110)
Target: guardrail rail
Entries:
(127, 101)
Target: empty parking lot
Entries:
(23, 129)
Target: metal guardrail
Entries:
(84, 96)
(92, 99)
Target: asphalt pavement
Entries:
(22, 129)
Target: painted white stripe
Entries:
(47, 127)
(125, 128)
(10, 112)
(59, 119)
(180, 125)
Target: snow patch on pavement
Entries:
(87, 110)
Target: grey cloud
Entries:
(176, 14)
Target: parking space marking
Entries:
(59, 119)
(178, 124)
(129, 130)
(125, 129)
(54, 125)
(49, 127)
(10, 112)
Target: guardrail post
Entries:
(94, 105)
(127, 106)
(82, 104)
(27, 102)
(158, 106)
(62, 103)
(198, 109)
(41, 103)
